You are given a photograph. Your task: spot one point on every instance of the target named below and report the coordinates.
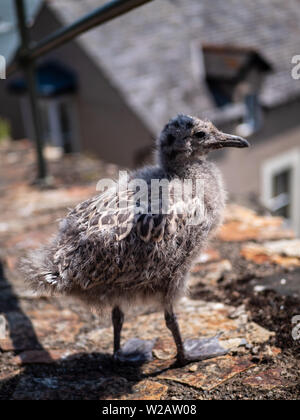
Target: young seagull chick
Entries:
(111, 259)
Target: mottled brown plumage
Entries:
(111, 258)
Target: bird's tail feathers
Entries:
(40, 272)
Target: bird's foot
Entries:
(197, 350)
(135, 351)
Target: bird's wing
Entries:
(117, 215)
(113, 214)
(88, 236)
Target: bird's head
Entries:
(187, 138)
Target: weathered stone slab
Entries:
(284, 253)
(144, 390)
(197, 319)
(47, 327)
(242, 224)
(267, 380)
(209, 374)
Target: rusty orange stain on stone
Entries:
(144, 390)
(209, 374)
(272, 351)
(242, 224)
(242, 232)
(260, 254)
(207, 256)
(267, 380)
(156, 366)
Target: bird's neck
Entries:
(187, 170)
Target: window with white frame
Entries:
(281, 187)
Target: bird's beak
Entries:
(229, 140)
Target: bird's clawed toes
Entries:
(135, 351)
(196, 350)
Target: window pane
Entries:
(282, 193)
(282, 183)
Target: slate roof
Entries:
(244, 286)
(152, 53)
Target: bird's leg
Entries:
(135, 350)
(172, 324)
(117, 319)
(193, 349)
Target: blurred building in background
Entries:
(112, 90)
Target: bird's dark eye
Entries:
(170, 139)
(200, 134)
